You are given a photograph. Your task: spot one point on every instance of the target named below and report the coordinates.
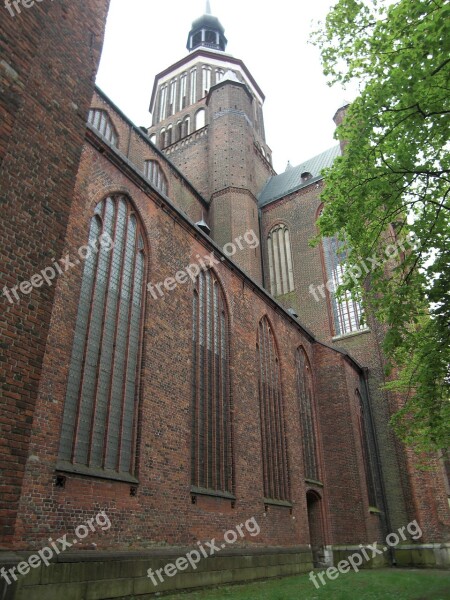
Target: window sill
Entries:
(273, 502)
(348, 335)
(66, 467)
(314, 482)
(196, 491)
(374, 511)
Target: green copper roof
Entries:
(291, 180)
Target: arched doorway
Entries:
(316, 530)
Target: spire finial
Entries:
(208, 7)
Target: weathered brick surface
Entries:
(48, 83)
(225, 159)
(49, 60)
(162, 511)
(136, 147)
(408, 490)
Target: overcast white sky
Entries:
(143, 37)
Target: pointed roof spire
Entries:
(207, 32)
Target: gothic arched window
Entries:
(273, 435)
(183, 91)
(162, 138)
(155, 174)
(102, 396)
(347, 312)
(173, 97)
(186, 126)
(305, 391)
(103, 124)
(163, 102)
(168, 136)
(206, 69)
(220, 74)
(281, 269)
(211, 441)
(200, 119)
(193, 86)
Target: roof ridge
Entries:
(316, 156)
(291, 180)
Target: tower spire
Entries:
(207, 32)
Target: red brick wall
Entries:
(137, 148)
(162, 510)
(408, 490)
(190, 155)
(232, 162)
(53, 51)
(342, 459)
(47, 78)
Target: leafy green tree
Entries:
(392, 181)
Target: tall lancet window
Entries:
(102, 396)
(193, 86)
(211, 441)
(220, 74)
(200, 119)
(273, 435)
(281, 268)
(346, 311)
(163, 102)
(173, 97)
(183, 91)
(305, 391)
(206, 79)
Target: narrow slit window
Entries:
(193, 86)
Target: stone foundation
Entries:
(102, 575)
(404, 555)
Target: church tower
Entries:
(207, 118)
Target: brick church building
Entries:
(173, 352)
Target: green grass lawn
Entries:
(385, 584)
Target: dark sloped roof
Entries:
(291, 180)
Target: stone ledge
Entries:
(124, 575)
